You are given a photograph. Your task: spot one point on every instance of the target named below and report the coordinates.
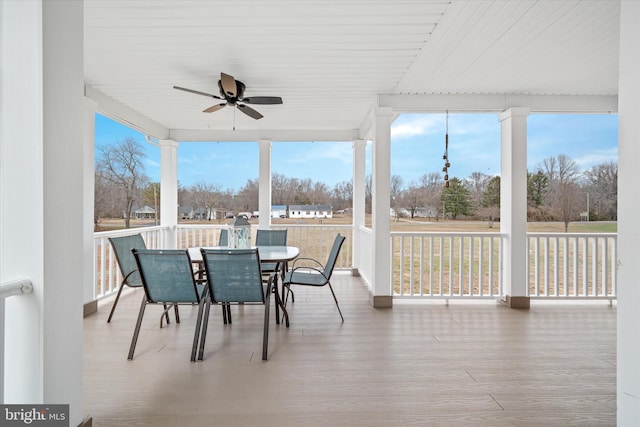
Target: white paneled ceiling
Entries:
(330, 59)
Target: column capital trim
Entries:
(383, 111)
(168, 143)
(359, 143)
(514, 112)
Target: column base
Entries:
(517, 302)
(381, 301)
(89, 308)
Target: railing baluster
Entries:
(431, 266)
(421, 272)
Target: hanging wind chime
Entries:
(445, 157)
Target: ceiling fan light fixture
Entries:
(232, 91)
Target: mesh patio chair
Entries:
(224, 237)
(315, 274)
(234, 277)
(122, 248)
(167, 278)
(272, 238)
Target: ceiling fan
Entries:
(232, 92)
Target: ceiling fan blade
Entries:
(249, 111)
(263, 100)
(197, 92)
(228, 84)
(215, 108)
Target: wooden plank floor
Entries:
(475, 364)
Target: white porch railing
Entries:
(107, 275)
(314, 241)
(563, 265)
(424, 265)
(8, 289)
(446, 265)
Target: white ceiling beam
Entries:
(497, 103)
(280, 135)
(121, 113)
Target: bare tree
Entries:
(151, 196)
(602, 187)
(562, 187)
(121, 165)
(107, 200)
(247, 197)
(395, 191)
(477, 185)
(490, 204)
(568, 203)
(342, 195)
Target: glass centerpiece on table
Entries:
(239, 231)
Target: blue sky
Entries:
(417, 146)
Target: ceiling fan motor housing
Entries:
(240, 87)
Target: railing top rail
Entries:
(272, 225)
(536, 234)
(15, 287)
(202, 225)
(313, 225)
(449, 233)
(128, 231)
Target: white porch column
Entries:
(88, 157)
(264, 185)
(513, 205)
(381, 183)
(169, 191)
(41, 194)
(359, 184)
(21, 183)
(628, 395)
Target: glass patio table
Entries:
(280, 255)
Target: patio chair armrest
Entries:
(321, 272)
(124, 279)
(293, 266)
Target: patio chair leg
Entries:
(265, 334)
(226, 312)
(134, 339)
(336, 300)
(175, 309)
(196, 334)
(289, 291)
(165, 315)
(203, 332)
(113, 307)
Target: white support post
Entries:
(88, 278)
(381, 183)
(628, 354)
(264, 185)
(359, 194)
(513, 205)
(169, 191)
(63, 154)
(21, 183)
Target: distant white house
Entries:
(278, 211)
(310, 211)
(143, 212)
(185, 212)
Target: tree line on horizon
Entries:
(557, 190)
